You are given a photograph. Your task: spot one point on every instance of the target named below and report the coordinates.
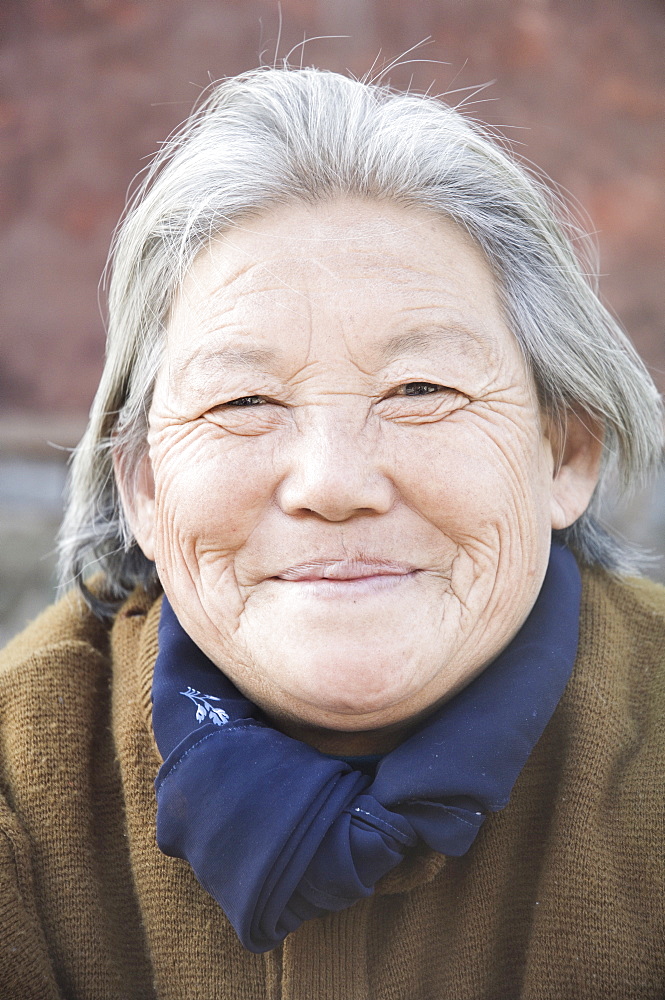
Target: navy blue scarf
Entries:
(279, 833)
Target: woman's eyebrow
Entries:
(224, 359)
(423, 340)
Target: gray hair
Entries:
(277, 136)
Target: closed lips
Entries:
(342, 570)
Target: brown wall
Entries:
(89, 87)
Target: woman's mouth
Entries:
(347, 576)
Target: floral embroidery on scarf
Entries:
(204, 710)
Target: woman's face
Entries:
(353, 492)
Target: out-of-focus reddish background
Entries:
(88, 89)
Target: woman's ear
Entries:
(136, 486)
(577, 447)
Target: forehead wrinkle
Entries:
(244, 269)
(244, 291)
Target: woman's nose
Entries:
(334, 472)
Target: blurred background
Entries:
(88, 89)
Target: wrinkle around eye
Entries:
(247, 421)
(426, 409)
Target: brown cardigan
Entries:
(561, 896)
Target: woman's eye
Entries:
(246, 401)
(419, 388)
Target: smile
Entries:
(347, 578)
(344, 570)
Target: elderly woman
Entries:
(348, 609)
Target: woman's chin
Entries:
(349, 694)
(363, 721)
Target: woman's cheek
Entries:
(454, 480)
(209, 497)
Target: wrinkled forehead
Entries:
(383, 277)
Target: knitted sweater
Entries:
(561, 896)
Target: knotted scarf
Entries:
(279, 833)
